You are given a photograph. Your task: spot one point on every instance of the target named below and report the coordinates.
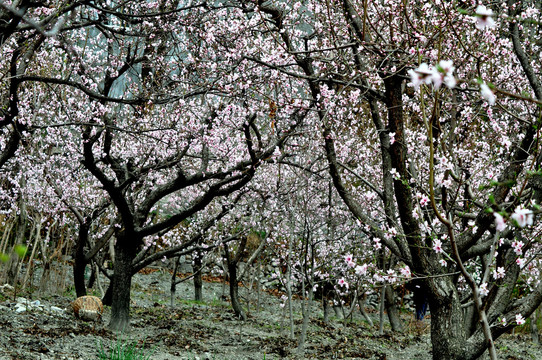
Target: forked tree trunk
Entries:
(448, 335)
(391, 309)
(234, 292)
(232, 262)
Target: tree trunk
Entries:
(327, 307)
(534, 329)
(108, 296)
(381, 310)
(173, 286)
(79, 267)
(15, 259)
(234, 292)
(198, 283)
(121, 284)
(93, 276)
(361, 303)
(35, 245)
(327, 291)
(80, 263)
(258, 286)
(232, 262)
(391, 308)
(306, 312)
(448, 335)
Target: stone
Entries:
(88, 308)
(57, 309)
(6, 288)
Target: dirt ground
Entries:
(44, 328)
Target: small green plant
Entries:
(70, 292)
(20, 250)
(192, 302)
(122, 351)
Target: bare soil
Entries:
(209, 329)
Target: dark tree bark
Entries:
(80, 262)
(9, 105)
(232, 261)
(108, 296)
(198, 283)
(82, 258)
(125, 253)
(92, 278)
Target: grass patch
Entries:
(192, 302)
(122, 351)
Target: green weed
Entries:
(122, 351)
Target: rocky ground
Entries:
(43, 327)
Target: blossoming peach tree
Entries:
(436, 108)
(172, 122)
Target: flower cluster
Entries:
(405, 271)
(499, 222)
(483, 18)
(517, 245)
(424, 200)
(437, 75)
(437, 246)
(487, 94)
(361, 270)
(484, 290)
(350, 260)
(499, 273)
(523, 217)
(284, 299)
(343, 283)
